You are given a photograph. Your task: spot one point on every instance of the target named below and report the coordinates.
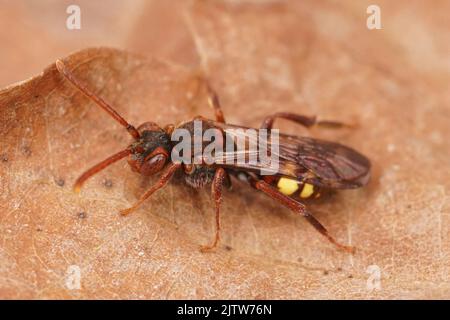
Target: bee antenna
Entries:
(99, 101)
(100, 166)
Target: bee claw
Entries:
(125, 212)
(205, 249)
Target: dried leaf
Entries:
(260, 58)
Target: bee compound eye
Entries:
(156, 159)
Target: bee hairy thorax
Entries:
(197, 176)
(295, 188)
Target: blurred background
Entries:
(33, 33)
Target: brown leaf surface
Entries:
(261, 58)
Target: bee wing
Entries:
(332, 164)
(319, 162)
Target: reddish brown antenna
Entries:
(99, 101)
(98, 167)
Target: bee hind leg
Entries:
(300, 209)
(305, 121)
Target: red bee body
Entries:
(306, 166)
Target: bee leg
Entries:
(302, 120)
(213, 101)
(165, 177)
(299, 208)
(216, 193)
(99, 167)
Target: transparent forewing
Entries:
(333, 164)
(250, 149)
(320, 162)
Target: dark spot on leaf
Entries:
(108, 183)
(350, 276)
(228, 248)
(325, 272)
(60, 182)
(82, 215)
(339, 269)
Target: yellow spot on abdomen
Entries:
(307, 191)
(287, 186)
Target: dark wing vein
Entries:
(322, 163)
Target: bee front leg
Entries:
(216, 193)
(163, 180)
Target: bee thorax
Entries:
(200, 176)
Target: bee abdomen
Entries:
(292, 187)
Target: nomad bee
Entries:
(306, 167)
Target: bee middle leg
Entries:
(220, 177)
(305, 121)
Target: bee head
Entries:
(151, 151)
